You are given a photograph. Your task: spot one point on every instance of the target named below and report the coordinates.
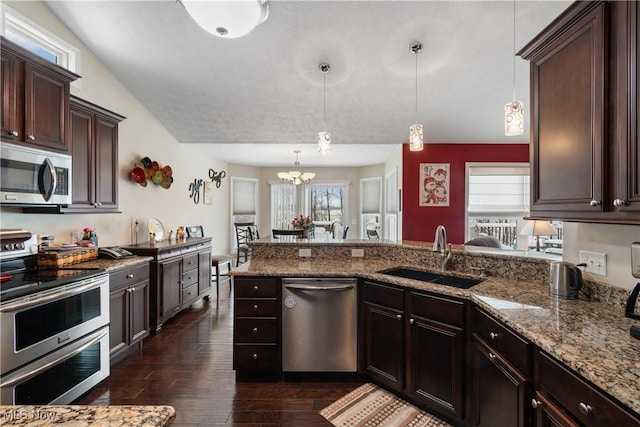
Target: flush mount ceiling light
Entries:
(324, 137)
(514, 110)
(229, 19)
(416, 141)
(295, 176)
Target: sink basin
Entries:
(427, 276)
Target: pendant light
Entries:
(416, 141)
(229, 19)
(514, 110)
(324, 137)
(295, 176)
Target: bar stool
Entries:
(218, 261)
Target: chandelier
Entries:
(229, 19)
(296, 177)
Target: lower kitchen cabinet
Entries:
(256, 326)
(501, 370)
(129, 309)
(176, 271)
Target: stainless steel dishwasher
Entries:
(319, 325)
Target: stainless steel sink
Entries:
(427, 276)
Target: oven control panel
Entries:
(15, 249)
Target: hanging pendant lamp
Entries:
(324, 137)
(416, 140)
(514, 110)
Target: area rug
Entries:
(369, 406)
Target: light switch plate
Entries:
(635, 259)
(304, 253)
(596, 263)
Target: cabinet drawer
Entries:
(168, 253)
(510, 345)
(590, 406)
(436, 308)
(189, 278)
(256, 330)
(189, 293)
(256, 308)
(190, 262)
(129, 276)
(255, 357)
(255, 288)
(387, 296)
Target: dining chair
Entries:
(344, 232)
(277, 233)
(244, 234)
(372, 234)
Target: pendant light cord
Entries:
(324, 101)
(416, 53)
(514, 50)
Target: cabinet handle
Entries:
(255, 330)
(536, 403)
(255, 356)
(585, 409)
(411, 321)
(129, 276)
(31, 138)
(133, 289)
(492, 356)
(619, 202)
(13, 133)
(399, 316)
(595, 203)
(494, 336)
(255, 307)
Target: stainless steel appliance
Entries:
(565, 280)
(29, 176)
(319, 325)
(54, 327)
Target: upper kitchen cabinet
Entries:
(35, 99)
(584, 151)
(94, 150)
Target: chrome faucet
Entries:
(440, 245)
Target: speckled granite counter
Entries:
(590, 335)
(112, 265)
(81, 416)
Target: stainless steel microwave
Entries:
(29, 176)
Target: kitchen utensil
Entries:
(565, 280)
(155, 227)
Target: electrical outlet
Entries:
(304, 253)
(596, 263)
(357, 253)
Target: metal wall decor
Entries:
(150, 170)
(194, 188)
(207, 187)
(216, 177)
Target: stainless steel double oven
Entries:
(54, 328)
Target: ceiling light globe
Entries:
(514, 118)
(228, 18)
(416, 141)
(324, 143)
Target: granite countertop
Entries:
(590, 337)
(81, 416)
(112, 265)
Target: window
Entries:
(26, 33)
(327, 206)
(371, 207)
(244, 203)
(284, 205)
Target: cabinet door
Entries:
(204, 272)
(550, 415)
(568, 130)
(384, 345)
(171, 287)
(106, 163)
(81, 136)
(500, 392)
(46, 108)
(118, 327)
(436, 375)
(139, 311)
(12, 99)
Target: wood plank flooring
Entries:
(188, 365)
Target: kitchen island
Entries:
(590, 336)
(81, 416)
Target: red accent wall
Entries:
(420, 222)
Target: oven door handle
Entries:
(54, 296)
(55, 362)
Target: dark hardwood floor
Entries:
(188, 365)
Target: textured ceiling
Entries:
(263, 93)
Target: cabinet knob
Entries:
(255, 307)
(129, 276)
(619, 202)
(399, 316)
(255, 356)
(595, 203)
(536, 403)
(585, 409)
(31, 138)
(411, 321)
(13, 133)
(255, 330)
(133, 289)
(494, 336)
(255, 288)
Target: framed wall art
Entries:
(434, 184)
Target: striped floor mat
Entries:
(369, 406)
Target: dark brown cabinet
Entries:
(35, 99)
(256, 326)
(175, 275)
(129, 309)
(501, 371)
(583, 70)
(94, 150)
(414, 345)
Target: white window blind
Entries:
(284, 205)
(371, 195)
(244, 196)
(498, 189)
